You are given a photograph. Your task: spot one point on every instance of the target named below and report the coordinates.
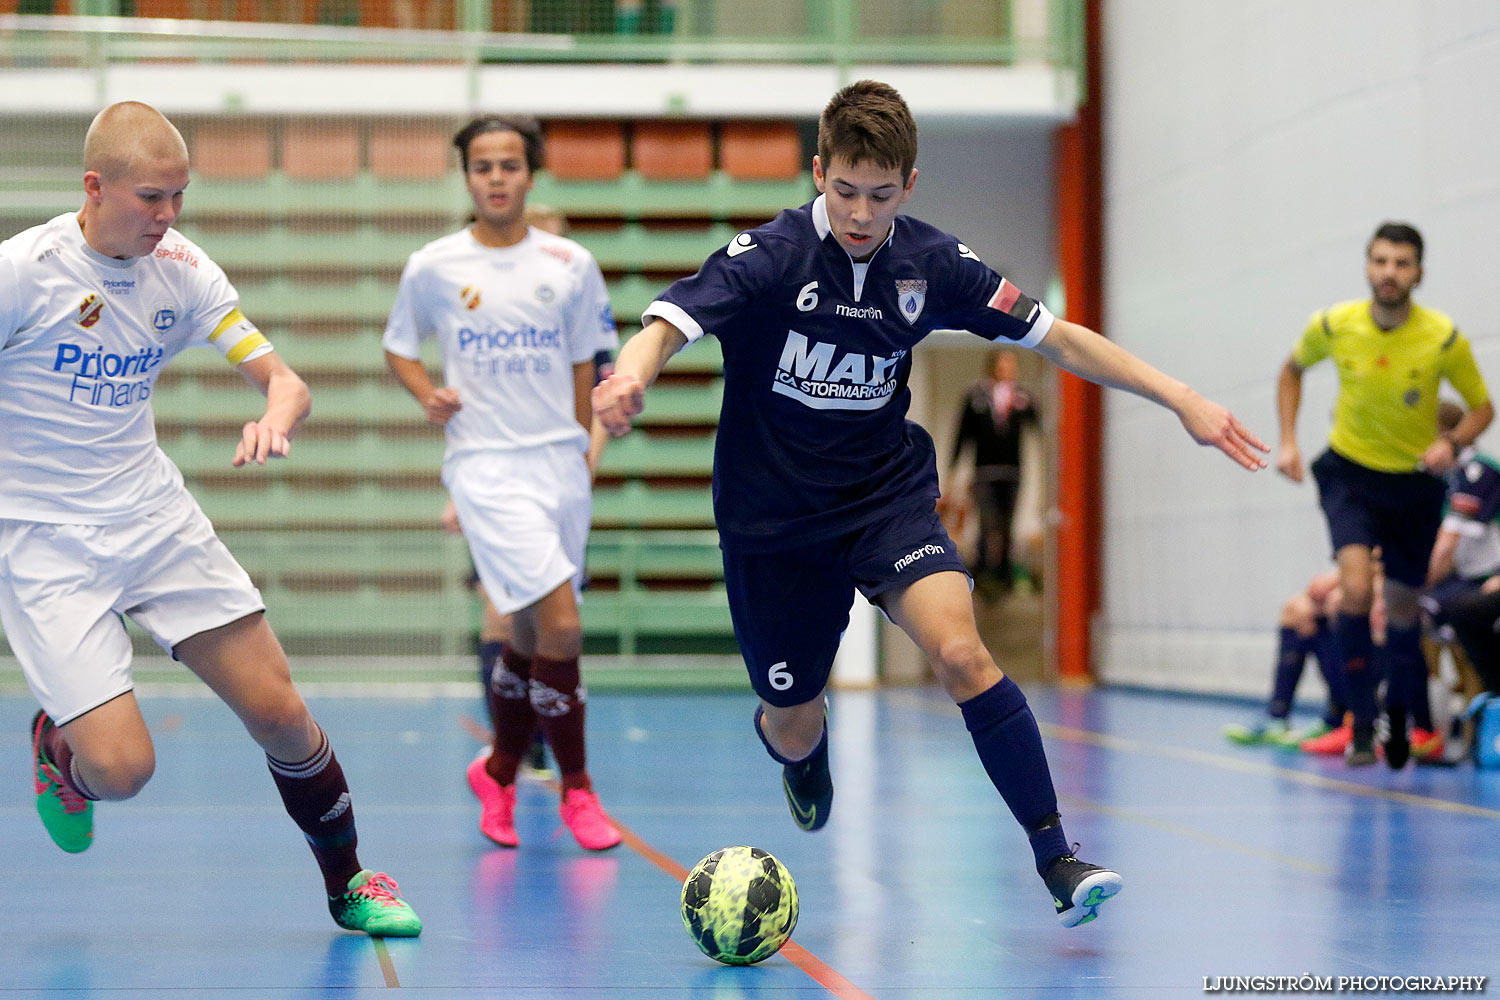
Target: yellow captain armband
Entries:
(238, 339)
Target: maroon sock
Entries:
(511, 712)
(316, 796)
(559, 698)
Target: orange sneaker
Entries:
(1426, 745)
(1332, 742)
(584, 816)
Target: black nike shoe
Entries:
(1361, 749)
(1079, 888)
(809, 788)
(1395, 743)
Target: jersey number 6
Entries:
(807, 299)
(779, 676)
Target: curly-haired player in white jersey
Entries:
(95, 521)
(519, 315)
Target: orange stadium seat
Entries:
(161, 8)
(320, 151)
(585, 150)
(232, 150)
(760, 151)
(402, 151)
(673, 151)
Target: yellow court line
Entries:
(1116, 743)
(1244, 766)
(1184, 831)
(387, 967)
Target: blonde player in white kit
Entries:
(95, 521)
(519, 315)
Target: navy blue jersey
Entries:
(813, 438)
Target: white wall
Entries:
(989, 183)
(1251, 149)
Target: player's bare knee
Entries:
(1300, 613)
(278, 719)
(561, 642)
(800, 739)
(795, 732)
(1357, 599)
(119, 772)
(960, 662)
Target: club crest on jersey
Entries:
(544, 293)
(911, 296)
(89, 310)
(164, 318)
(470, 295)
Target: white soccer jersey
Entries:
(511, 323)
(83, 338)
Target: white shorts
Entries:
(66, 586)
(525, 515)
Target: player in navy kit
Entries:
(820, 483)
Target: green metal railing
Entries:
(839, 32)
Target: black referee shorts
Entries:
(1398, 511)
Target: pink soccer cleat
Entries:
(497, 804)
(585, 817)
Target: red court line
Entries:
(816, 969)
(468, 724)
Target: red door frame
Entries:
(1080, 250)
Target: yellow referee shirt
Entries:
(1385, 415)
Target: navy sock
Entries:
(1358, 649)
(1406, 686)
(1325, 649)
(1010, 747)
(1291, 654)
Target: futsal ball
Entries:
(739, 905)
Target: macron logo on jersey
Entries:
(817, 376)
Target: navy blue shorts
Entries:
(790, 607)
(1398, 511)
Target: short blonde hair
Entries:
(126, 133)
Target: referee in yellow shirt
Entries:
(1379, 481)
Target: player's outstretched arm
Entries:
(288, 403)
(1288, 402)
(438, 404)
(622, 396)
(1088, 355)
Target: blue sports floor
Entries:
(1236, 862)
